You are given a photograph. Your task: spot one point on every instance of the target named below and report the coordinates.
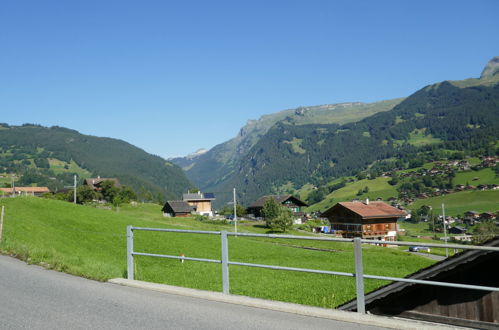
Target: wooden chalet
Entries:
(177, 209)
(201, 202)
(95, 183)
(487, 216)
(289, 201)
(376, 220)
(476, 309)
(457, 230)
(29, 191)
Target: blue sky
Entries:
(174, 76)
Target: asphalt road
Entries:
(32, 297)
(429, 255)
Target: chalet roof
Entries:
(280, 199)
(93, 182)
(36, 190)
(369, 210)
(428, 273)
(198, 196)
(179, 206)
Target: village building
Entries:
(477, 309)
(177, 209)
(200, 202)
(457, 230)
(471, 215)
(369, 220)
(25, 191)
(487, 216)
(95, 183)
(288, 201)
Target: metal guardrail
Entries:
(359, 271)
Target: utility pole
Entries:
(74, 189)
(13, 185)
(235, 213)
(445, 231)
(1, 223)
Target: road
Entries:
(428, 255)
(32, 297)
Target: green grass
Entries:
(483, 176)
(458, 203)
(378, 187)
(91, 242)
(418, 138)
(296, 145)
(58, 166)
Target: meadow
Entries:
(91, 242)
(460, 202)
(377, 188)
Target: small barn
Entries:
(289, 201)
(369, 220)
(177, 209)
(461, 307)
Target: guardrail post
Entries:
(129, 254)
(225, 262)
(359, 275)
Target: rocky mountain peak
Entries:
(491, 69)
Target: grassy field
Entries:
(59, 166)
(91, 242)
(483, 176)
(378, 187)
(458, 203)
(418, 138)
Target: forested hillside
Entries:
(35, 153)
(211, 169)
(438, 116)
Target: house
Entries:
(471, 215)
(463, 238)
(289, 201)
(177, 209)
(27, 191)
(95, 183)
(460, 307)
(370, 220)
(201, 202)
(487, 216)
(458, 230)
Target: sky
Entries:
(174, 76)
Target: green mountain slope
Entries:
(441, 115)
(41, 152)
(210, 170)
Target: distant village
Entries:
(372, 220)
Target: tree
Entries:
(484, 231)
(394, 180)
(283, 221)
(270, 211)
(229, 210)
(108, 190)
(85, 194)
(127, 194)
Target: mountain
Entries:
(442, 116)
(288, 152)
(491, 69)
(211, 169)
(49, 155)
